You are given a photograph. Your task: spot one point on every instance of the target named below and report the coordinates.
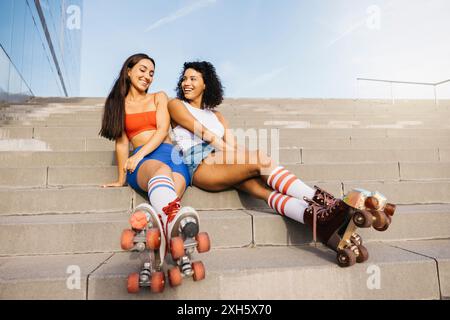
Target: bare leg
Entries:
(150, 169)
(217, 174)
(180, 184)
(256, 188)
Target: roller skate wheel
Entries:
(363, 219)
(177, 247)
(389, 209)
(157, 282)
(153, 239)
(363, 254)
(133, 283)
(381, 222)
(199, 270)
(203, 242)
(175, 277)
(138, 220)
(386, 225)
(346, 258)
(127, 240)
(372, 203)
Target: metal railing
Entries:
(392, 82)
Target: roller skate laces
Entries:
(321, 214)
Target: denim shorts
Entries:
(167, 154)
(194, 156)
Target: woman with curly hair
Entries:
(210, 152)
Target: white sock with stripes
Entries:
(288, 206)
(285, 182)
(161, 192)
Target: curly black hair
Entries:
(213, 95)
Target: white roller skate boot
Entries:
(182, 231)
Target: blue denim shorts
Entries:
(166, 153)
(194, 156)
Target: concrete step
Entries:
(100, 232)
(281, 122)
(83, 175)
(59, 145)
(17, 159)
(87, 199)
(46, 277)
(407, 192)
(51, 159)
(270, 229)
(64, 200)
(68, 176)
(245, 273)
(315, 156)
(96, 199)
(437, 250)
(97, 144)
(43, 133)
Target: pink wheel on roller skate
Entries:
(133, 283)
(153, 239)
(127, 240)
(175, 277)
(199, 270)
(157, 282)
(203, 242)
(177, 247)
(138, 220)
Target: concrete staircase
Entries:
(57, 223)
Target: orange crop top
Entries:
(136, 123)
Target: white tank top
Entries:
(186, 139)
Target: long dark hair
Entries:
(213, 94)
(113, 123)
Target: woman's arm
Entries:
(184, 118)
(162, 130)
(122, 153)
(228, 137)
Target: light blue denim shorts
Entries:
(194, 156)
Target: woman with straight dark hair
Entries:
(132, 115)
(215, 163)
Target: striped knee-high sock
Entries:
(287, 183)
(288, 206)
(161, 193)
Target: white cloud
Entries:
(181, 13)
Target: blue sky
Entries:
(268, 48)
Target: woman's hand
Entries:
(117, 184)
(131, 163)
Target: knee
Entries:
(161, 169)
(262, 160)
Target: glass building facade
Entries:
(40, 48)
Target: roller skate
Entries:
(182, 228)
(146, 233)
(335, 221)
